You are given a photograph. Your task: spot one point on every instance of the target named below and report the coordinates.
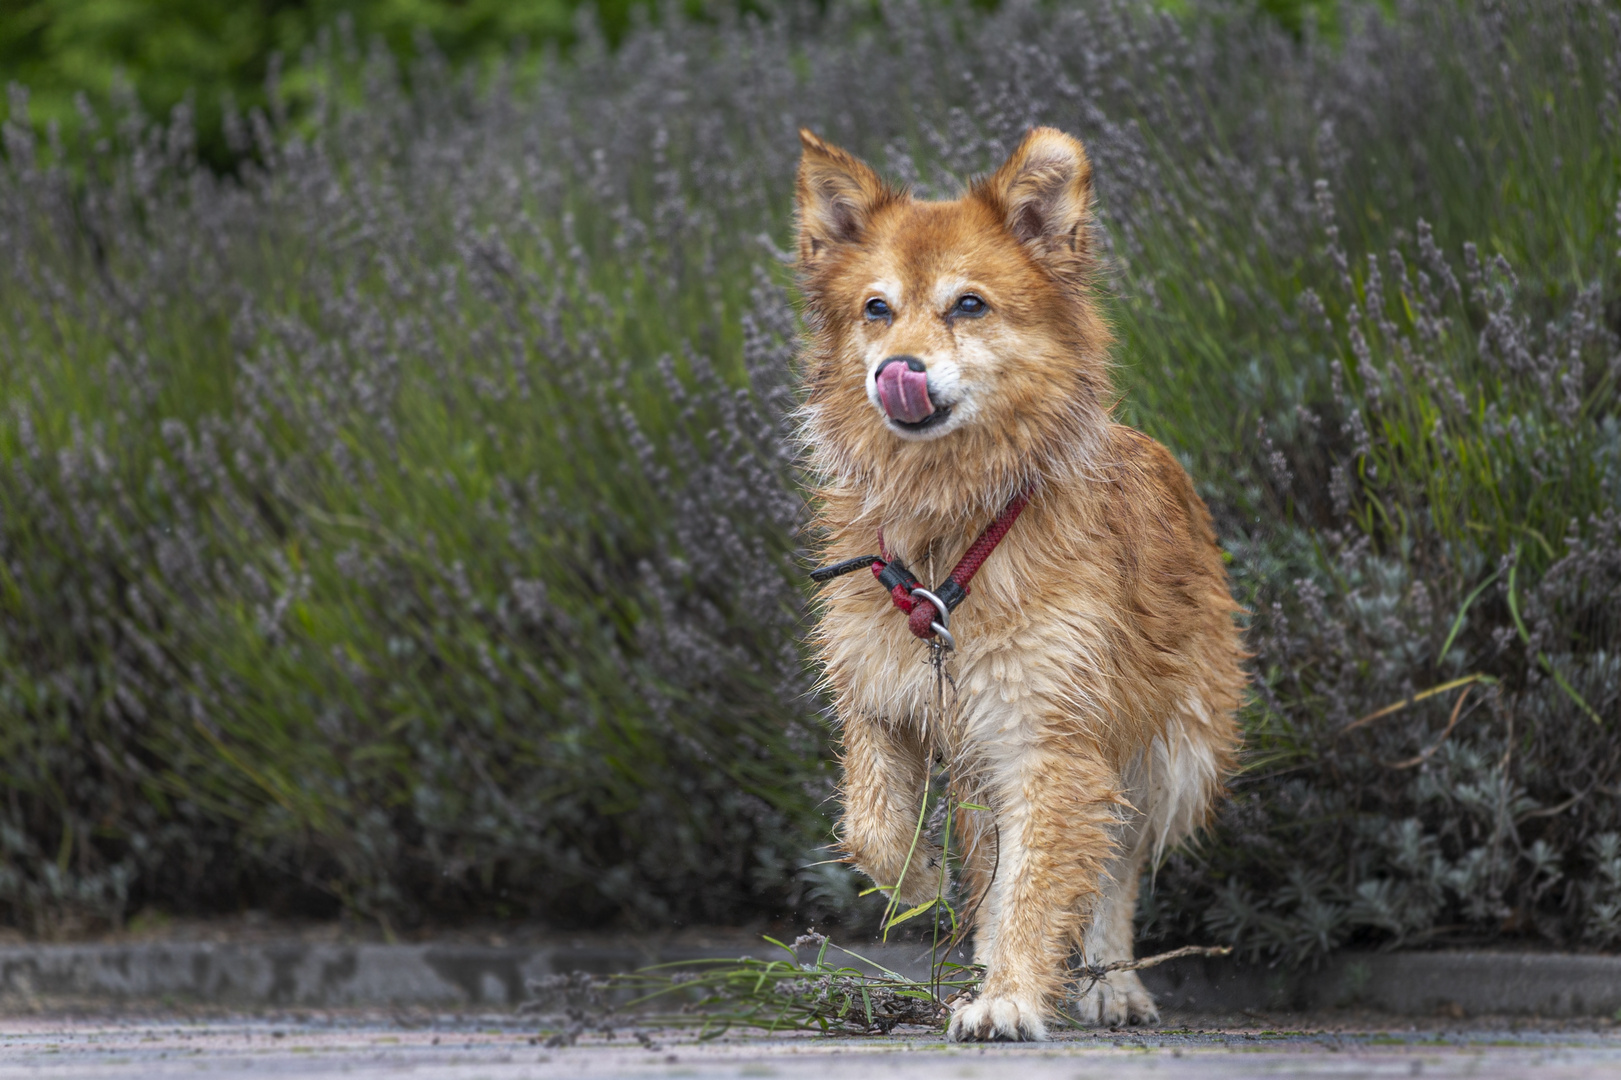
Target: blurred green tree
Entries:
(214, 49)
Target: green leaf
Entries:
(911, 913)
(1457, 623)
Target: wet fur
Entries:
(1098, 665)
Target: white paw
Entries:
(997, 1019)
(1116, 1000)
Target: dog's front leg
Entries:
(1056, 808)
(886, 770)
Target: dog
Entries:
(955, 376)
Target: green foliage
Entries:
(356, 559)
(209, 52)
(408, 519)
(853, 996)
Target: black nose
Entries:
(912, 363)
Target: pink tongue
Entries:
(905, 393)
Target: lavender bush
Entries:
(407, 522)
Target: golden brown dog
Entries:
(957, 360)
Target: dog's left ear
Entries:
(1044, 193)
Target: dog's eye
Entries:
(970, 305)
(877, 309)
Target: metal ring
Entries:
(951, 642)
(939, 605)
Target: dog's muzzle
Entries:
(903, 389)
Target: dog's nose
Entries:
(912, 364)
(903, 389)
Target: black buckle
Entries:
(895, 573)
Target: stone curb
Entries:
(315, 975)
(1449, 983)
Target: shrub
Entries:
(408, 520)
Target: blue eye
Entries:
(877, 309)
(970, 305)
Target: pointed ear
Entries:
(836, 194)
(1044, 194)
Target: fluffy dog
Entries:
(957, 362)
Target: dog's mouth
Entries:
(933, 420)
(903, 395)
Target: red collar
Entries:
(929, 613)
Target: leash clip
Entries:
(939, 627)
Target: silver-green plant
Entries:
(406, 522)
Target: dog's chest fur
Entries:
(1065, 626)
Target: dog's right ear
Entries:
(836, 194)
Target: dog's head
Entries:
(955, 342)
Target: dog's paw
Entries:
(997, 1019)
(1116, 1000)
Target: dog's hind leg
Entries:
(1172, 784)
(1118, 998)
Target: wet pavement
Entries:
(361, 1045)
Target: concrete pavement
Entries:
(302, 1009)
(371, 1046)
